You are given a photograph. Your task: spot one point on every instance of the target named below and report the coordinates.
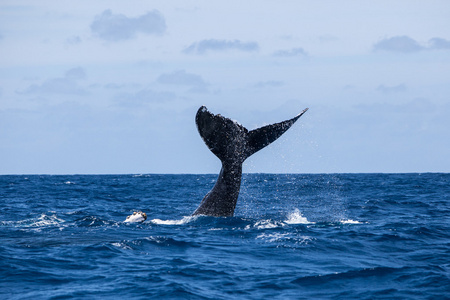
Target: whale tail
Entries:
(233, 143)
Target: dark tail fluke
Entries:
(263, 136)
(232, 142)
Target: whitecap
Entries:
(265, 224)
(349, 221)
(185, 220)
(122, 246)
(273, 237)
(296, 217)
(280, 237)
(45, 220)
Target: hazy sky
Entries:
(113, 86)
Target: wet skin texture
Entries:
(232, 143)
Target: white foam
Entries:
(45, 220)
(122, 246)
(296, 217)
(273, 237)
(267, 224)
(278, 237)
(185, 220)
(349, 221)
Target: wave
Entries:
(350, 221)
(294, 217)
(92, 221)
(183, 221)
(278, 237)
(43, 221)
(381, 271)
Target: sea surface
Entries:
(293, 236)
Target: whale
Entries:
(232, 143)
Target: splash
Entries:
(296, 217)
(183, 221)
(349, 221)
(266, 224)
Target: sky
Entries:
(112, 87)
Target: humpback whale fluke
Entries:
(232, 143)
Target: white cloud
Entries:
(75, 74)
(73, 40)
(143, 97)
(205, 46)
(391, 89)
(327, 38)
(290, 53)
(113, 86)
(181, 77)
(116, 27)
(414, 106)
(269, 83)
(403, 44)
(61, 85)
(438, 43)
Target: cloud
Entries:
(438, 43)
(73, 40)
(269, 83)
(403, 44)
(327, 38)
(205, 46)
(114, 86)
(144, 96)
(290, 53)
(75, 74)
(391, 89)
(181, 77)
(116, 27)
(61, 85)
(415, 106)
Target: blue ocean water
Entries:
(336, 236)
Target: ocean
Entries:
(293, 236)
